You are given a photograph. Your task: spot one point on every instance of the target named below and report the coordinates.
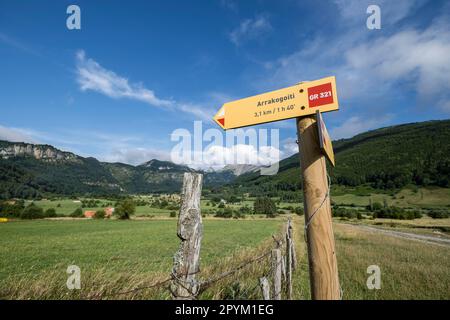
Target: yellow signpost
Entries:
(324, 138)
(291, 102)
(302, 101)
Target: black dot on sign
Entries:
(302, 107)
(301, 90)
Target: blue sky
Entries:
(136, 71)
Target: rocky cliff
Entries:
(37, 151)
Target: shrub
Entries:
(77, 213)
(265, 206)
(173, 214)
(99, 214)
(32, 212)
(299, 211)
(344, 213)
(50, 212)
(12, 210)
(237, 214)
(396, 213)
(245, 210)
(438, 214)
(125, 209)
(225, 213)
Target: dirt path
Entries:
(405, 235)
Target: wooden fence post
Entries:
(186, 260)
(288, 261)
(293, 253)
(276, 266)
(323, 268)
(265, 288)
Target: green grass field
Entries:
(33, 249)
(120, 255)
(406, 198)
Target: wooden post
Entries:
(283, 268)
(190, 229)
(265, 288)
(293, 253)
(288, 262)
(276, 266)
(320, 238)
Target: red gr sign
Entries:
(320, 95)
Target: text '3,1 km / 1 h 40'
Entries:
(299, 100)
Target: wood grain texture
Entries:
(190, 232)
(320, 238)
(265, 288)
(276, 267)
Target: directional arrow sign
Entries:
(291, 102)
(324, 138)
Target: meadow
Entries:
(33, 250)
(417, 198)
(117, 256)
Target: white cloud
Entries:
(92, 76)
(289, 146)
(356, 124)
(198, 111)
(371, 66)
(219, 156)
(17, 135)
(420, 57)
(250, 29)
(135, 156)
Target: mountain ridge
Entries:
(385, 158)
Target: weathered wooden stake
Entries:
(265, 288)
(187, 258)
(320, 238)
(288, 263)
(276, 266)
(293, 253)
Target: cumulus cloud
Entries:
(421, 57)
(250, 29)
(371, 66)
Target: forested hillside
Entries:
(386, 158)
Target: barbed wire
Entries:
(205, 284)
(311, 217)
